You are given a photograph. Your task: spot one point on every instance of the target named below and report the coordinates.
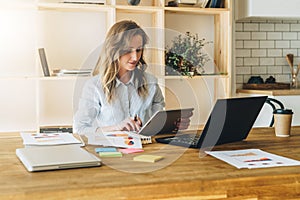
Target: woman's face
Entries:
(131, 56)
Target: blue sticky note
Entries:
(108, 149)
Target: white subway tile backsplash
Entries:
(259, 52)
(259, 70)
(282, 27)
(274, 36)
(239, 27)
(251, 44)
(251, 27)
(242, 36)
(243, 70)
(287, 51)
(290, 35)
(266, 27)
(281, 61)
(274, 69)
(259, 35)
(267, 44)
(283, 78)
(295, 44)
(239, 61)
(251, 61)
(286, 69)
(274, 52)
(282, 44)
(239, 44)
(243, 53)
(239, 79)
(295, 27)
(261, 47)
(267, 61)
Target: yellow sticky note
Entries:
(147, 158)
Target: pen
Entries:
(136, 117)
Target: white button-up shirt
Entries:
(94, 110)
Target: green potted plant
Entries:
(186, 55)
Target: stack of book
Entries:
(211, 3)
(72, 72)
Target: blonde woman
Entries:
(120, 95)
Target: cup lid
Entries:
(283, 111)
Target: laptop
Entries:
(162, 122)
(56, 157)
(230, 121)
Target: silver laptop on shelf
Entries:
(56, 157)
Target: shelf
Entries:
(74, 7)
(139, 9)
(196, 77)
(201, 11)
(71, 33)
(54, 78)
(285, 92)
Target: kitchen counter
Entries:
(289, 97)
(281, 92)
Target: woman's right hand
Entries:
(129, 124)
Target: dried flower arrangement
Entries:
(186, 55)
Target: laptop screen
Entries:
(231, 120)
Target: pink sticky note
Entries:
(130, 150)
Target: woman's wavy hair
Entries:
(116, 44)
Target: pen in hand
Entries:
(137, 119)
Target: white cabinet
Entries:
(266, 9)
(70, 34)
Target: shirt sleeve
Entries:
(158, 100)
(88, 108)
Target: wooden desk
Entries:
(188, 177)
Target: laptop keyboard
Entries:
(182, 140)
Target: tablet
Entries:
(163, 122)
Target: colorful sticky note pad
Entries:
(108, 149)
(130, 150)
(110, 154)
(147, 158)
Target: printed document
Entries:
(252, 158)
(42, 139)
(123, 139)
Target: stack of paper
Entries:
(42, 139)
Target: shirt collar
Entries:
(130, 82)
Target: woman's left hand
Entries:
(184, 122)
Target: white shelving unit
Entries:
(71, 35)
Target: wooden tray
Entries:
(267, 86)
